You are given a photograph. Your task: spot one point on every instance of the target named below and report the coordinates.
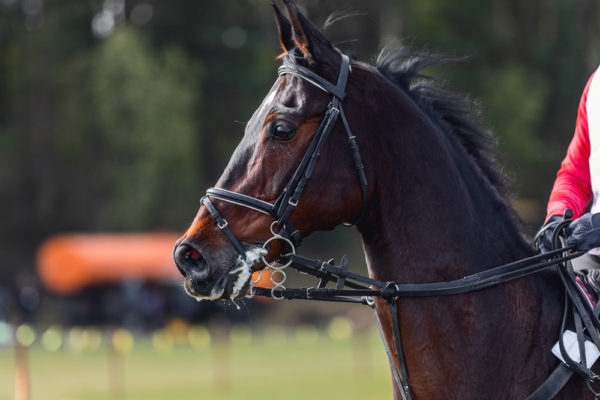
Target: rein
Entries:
(354, 288)
(328, 272)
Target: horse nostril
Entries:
(193, 254)
(190, 261)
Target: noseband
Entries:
(290, 196)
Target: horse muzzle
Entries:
(204, 281)
(190, 261)
(196, 271)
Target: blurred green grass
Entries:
(291, 366)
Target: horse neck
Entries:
(432, 215)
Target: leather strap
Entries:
(471, 283)
(224, 226)
(403, 369)
(360, 167)
(242, 200)
(388, 352)
(553, 385)
(338, 90)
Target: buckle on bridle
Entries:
(222, 225)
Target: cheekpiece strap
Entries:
(223, 225)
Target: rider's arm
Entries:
(572, 187)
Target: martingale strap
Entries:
(399, 372)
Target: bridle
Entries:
(290, 196)
(354, 288)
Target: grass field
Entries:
(300, 364)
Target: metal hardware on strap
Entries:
(278, 269)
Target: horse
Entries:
(429, 202)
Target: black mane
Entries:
(453, 113)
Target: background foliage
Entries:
(116, 115)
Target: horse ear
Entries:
(285, 29)
(307, 37)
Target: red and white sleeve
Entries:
(573, 185)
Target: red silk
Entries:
(572, 187)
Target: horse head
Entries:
(258, 194)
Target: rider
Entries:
(578, 182)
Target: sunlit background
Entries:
(116, 115)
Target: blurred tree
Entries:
(93, 134)
(35, 43)
(528, 64)
(144, 110)
(125, 129)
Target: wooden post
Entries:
(116, 373)
(21, 372)
(221, 353)
(361, 351)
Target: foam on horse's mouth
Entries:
(243, 269)
(216, 292)
(241, 272)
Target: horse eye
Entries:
(282, 130)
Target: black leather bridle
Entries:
(354, 288)
(290, 196)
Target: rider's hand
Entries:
(543, 239)
(584, 232)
